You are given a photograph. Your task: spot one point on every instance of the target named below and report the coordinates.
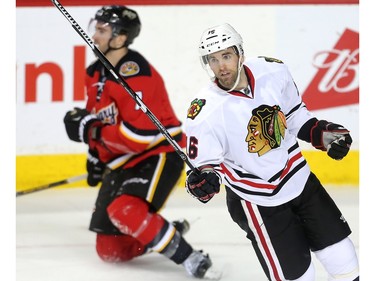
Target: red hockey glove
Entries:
(331, 137)
(204, 185)
(80, 125)
(95, 168)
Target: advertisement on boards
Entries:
(322, 55)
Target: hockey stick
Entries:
(122, 82)
(53, 184)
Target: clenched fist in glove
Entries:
(80, 125)
(203, 185)
(331, 137)
(95, 168)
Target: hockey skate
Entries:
(199, 266)
(182, 226)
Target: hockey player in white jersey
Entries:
(242, 132)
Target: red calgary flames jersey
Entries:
(128, 135)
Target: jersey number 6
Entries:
(192, 147)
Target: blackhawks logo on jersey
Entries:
(265, 129)
(195, 107)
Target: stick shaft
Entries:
(123, 83)
(51, 185)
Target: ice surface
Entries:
(54, 244)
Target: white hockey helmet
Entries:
(219, 38)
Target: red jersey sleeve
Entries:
(127, 130)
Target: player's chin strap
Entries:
(213, 77)
(111, 48)
(240, 64)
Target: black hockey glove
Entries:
(204, 185)
(80, 125)
(95, 168)
(331, 137)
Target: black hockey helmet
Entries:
(122, 20)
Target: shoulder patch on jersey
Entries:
(129, 68)
(195, 107)
(269, 59)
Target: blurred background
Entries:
(318, 40)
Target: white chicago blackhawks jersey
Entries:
(250, 136)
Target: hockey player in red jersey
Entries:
(137, 166)
(242, 132)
